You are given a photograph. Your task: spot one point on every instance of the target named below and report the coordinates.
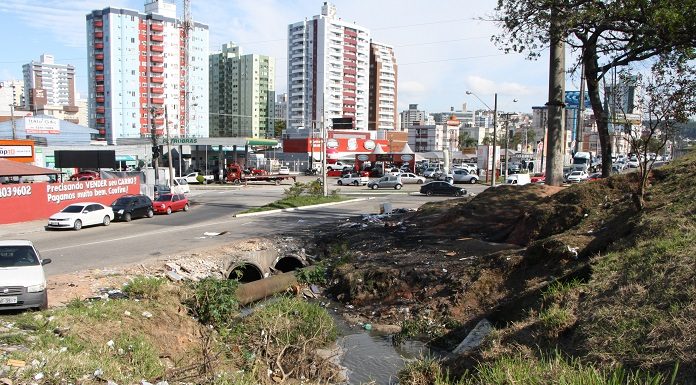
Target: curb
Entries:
(259, 213)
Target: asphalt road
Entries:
(212, 211)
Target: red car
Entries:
(539, 177)
(85, 175)
(167, 203)
(595, 176)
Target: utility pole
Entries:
(507, 141)
(323, 155)
(581, 108)
(155, 145)
(495, 139)
(14, 124)
(169, 148)
(555, 105)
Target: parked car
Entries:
(514, 168)
(192, 178)
(79, 215)
(430, 171)
(392, 171)
(85, 175)
(339, 166)
(618, 167)
(161, 189)
(355, 179)
(409, 177)
(464, 176)
(22, 278)
(180, 186)
(518, 179)
(595, 176)
(577, 176)
(387, 181)
(538, 177)
(284, 170)
(443, 176)
(168, 203)
(633, 162)
(128, 207)
(441, 188)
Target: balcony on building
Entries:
(157, 100)
(349, 64)
(157, 59)
(157, 90)
(156, 27)
(101, 120)
(99, 56)
(159, 122)
(98, 45)
(98, 34)
(99, 99)
(99, 89)
(102, 132)
(157, 79)
(101, 110)
(157, 38)
(157, 70)
(350, 41)
(350, 32)
(99, 67)
(99, 78)
(348, 48)
(98, 23)
(156, 48)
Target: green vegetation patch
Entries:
(213, 301)
(298, 201)
(144, 287)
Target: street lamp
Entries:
(495, 129)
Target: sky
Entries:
(443, 47)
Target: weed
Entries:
(555, 318)
(213, 301)
(557, 290)
(12, 339)
(425, 371)
(421, 328)
(144, 287)
(316, 274)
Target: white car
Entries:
(339, 166)
(78, 215)
(192, 178)
(430, 171)
(353, 179)
(284, 170)
(633, 163)
(577, 176)
(180, 186)
(464, 176)
(409, 177)
(22, 276)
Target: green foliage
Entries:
(315, 274)
(422, 328)
(555, 317)
(425, 371)
(144, 287)
(297, 201)
(214, 302)
(200, 179)
(466, 141)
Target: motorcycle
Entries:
(311, 171)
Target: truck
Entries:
(584, 161)
(235, 174)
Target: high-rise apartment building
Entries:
(48, 84)
(383, 87)
(328, 71)
(11, 94)
(242, 94)
(281, 107)
(414, 116)
(137, 71)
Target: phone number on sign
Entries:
(15, 191)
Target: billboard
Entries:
(85, 159)
(572, 99)
(17, 150)
(34, 125)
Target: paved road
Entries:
(212, 211)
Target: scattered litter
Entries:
(38, 376)
(174, 276)
(367, 327)
(444, 270)
(147, 314)
(63, 349)
(315, 289)
(573, 252)
(127, 313)
(211, 234)
(116, 294)
(16, 363)
(450, 253)
(350, 306)
(98, 373)
(110, 344)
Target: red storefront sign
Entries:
(31, 201)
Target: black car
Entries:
(128, 207)
(162, 189)
(441, 188)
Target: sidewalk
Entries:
(19, 229)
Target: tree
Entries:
(466, 141)
(669, 100)
(606, 34)
(278, 128)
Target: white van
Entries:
(22, 276)
(518, 179)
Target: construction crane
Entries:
(187, 27)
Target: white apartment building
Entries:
(328, 71)
(11, 94)
(435, 137)
(242, 94)
(48, 84)
(137, 72)
(383, 88)
(414, 116)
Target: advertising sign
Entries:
(41, 125)
(31, 201)
(406, 157)
(15, 151)
(572, 99)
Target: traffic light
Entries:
(155, 152)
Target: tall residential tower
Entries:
(328, 71)
(242, 94)
(383, 86)
(137, 69)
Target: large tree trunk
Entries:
(554, 147)
(601, 116)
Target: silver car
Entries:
(463, 176)
(387, 181)
(409, 177)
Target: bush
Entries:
(214, 301)
(200, 179)
(144, 287)
(313, 275)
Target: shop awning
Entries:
(262, 142)
(125, 158)
(12, 168)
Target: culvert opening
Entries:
(246, 273)
(286, 264)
